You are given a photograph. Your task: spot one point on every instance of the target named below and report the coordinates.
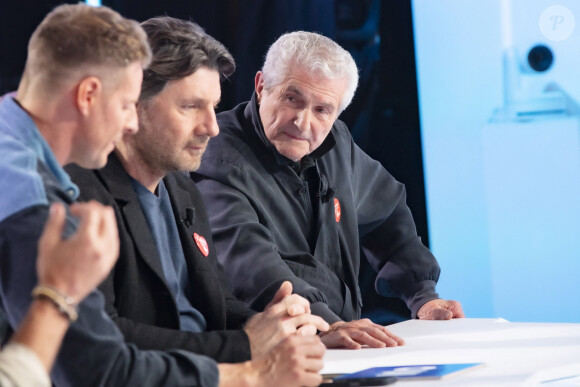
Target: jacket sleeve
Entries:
(389, 240)
(246, 248)
(224, 346)
(237, 312)
(94, 352)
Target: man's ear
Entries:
(259, 84)
(88, 91)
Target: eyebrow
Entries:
(200, 101)
(296, 90)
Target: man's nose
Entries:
(302, 120)
(132, 125)
(209, 123)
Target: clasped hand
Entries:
(287, 314)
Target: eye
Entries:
(292, 100)
(289, 99)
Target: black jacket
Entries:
(137, 296)
(267, 229)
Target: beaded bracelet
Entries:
(63, 303)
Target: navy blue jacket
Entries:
(267, 229)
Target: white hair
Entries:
(313, 53)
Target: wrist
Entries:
(238, 375)
(332, 327)
(64, 304)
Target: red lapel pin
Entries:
(336, 210)
(201, 244)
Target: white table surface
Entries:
(515, 354)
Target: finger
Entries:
(347, 342)
(372, 339)
(296, 299)
(306, 330)
(399, 340)
(339, 339)
(109, 232)
(80, 209)
(309, 319)
(457, 309)
(312, 346)
(89, 215)
(108, 223)
(284, 291)
(54, 225)
(441, 314)
(311, 379)
(376, 331)
(296, 309)
(313, 364)
(109, 238)
(365, 322)
(284, 306)
(310, 340)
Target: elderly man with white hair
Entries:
(291, 197)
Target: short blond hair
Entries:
(77, 36)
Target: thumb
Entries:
(284, 291)
(54, 225)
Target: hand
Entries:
(355, 334)
(75, 266)
(440, 310)
(287, 314)
(294, 362)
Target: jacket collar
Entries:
(17, 122)
(120, 186)
(121, 189)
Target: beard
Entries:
(163, 155)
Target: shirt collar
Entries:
(23, 128)
(252, 111)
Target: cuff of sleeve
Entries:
(243, 351)
(321, 309)
(425, 294)
(208, 371)
(22, 367)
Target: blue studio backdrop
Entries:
(499, 89)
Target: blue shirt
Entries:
(21, 147)
(161, 221)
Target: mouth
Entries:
(295, 137)
(196, 148)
